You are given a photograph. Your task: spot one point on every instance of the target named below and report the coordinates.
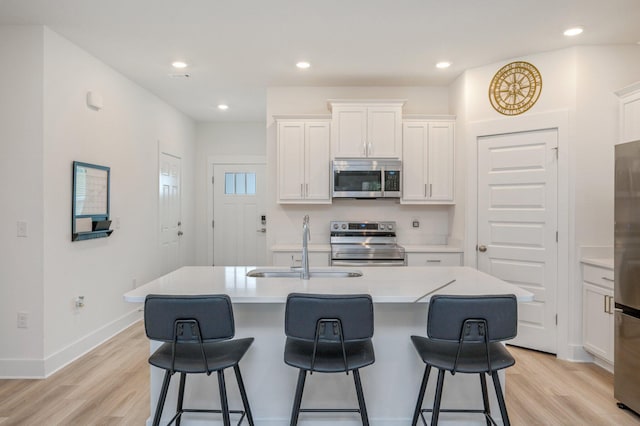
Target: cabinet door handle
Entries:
(607, 279)
(610, 303)
(301, 190)
(604, 299)
(306, 189)
(434, 260)
(430, 190)
(369, 150)
(364, 148)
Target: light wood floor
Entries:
(110, 386)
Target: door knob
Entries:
(482, 249)
(263, 230)
(180, 233)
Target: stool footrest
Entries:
(202, 410)
(451, 410)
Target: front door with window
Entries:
(239, 221)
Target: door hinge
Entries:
(212, 223)
(556, 236)
(211, 179)
(556, 319)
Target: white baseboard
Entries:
(578, 354)
(42, 368)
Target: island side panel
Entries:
(390, 385)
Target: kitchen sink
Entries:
(295, 273)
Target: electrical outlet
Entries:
(21, 230)
(23, 319)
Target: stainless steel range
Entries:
(365, 244)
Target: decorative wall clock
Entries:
(515, 88)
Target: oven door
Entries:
(370, 262)
(367, 255)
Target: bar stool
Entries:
(328, 334)
(197, 331)
(464, 335)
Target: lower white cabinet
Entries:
(285, 258)
(434, 259)
(598, 308)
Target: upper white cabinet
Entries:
(428, 161)
(364, 129)
(629, 113)
(303, 146)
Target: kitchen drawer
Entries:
(434, 259)
(597, 275)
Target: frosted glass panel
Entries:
(229, 183)
(240, 183)
(251, 183)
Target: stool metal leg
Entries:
(501, 403)
(163, 397)
(361, 403)
(423, 388)
(485, 398)
(438, 398)
(295, 412)
(243, 394)
(183, 378)
(224, 406)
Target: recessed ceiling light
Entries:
(573, 31)
(443, 64)
(223, 107)
(179, 64)
(303, 65)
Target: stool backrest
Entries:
(209, 315)
(354, 311)
(448, 314)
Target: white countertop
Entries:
(298, 247)
(602, 262)
(408, 284)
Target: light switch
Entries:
(21, 229)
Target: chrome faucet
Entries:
(306, 236)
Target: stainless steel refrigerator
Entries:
(627, 275)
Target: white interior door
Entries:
(170, 222)
(517, 225)
(239, 234)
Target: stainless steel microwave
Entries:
(356, 178)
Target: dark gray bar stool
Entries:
(464, 335)
(328, 334)
(197, 331)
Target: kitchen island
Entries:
(400, 296)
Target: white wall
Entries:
(216, 140)
(285, 221)
(51, 127)
(21, 287)
(580, 81)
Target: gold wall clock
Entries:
(515, 88)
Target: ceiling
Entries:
(237, 48)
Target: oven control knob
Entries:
(381, 227)
(344, 226)
(389, 227)
(335, 226)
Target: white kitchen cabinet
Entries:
(428, 162)
(294, 258)
(303, 161)
(434, 259)
(371, 129)
(598, 318)
(629, 113)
